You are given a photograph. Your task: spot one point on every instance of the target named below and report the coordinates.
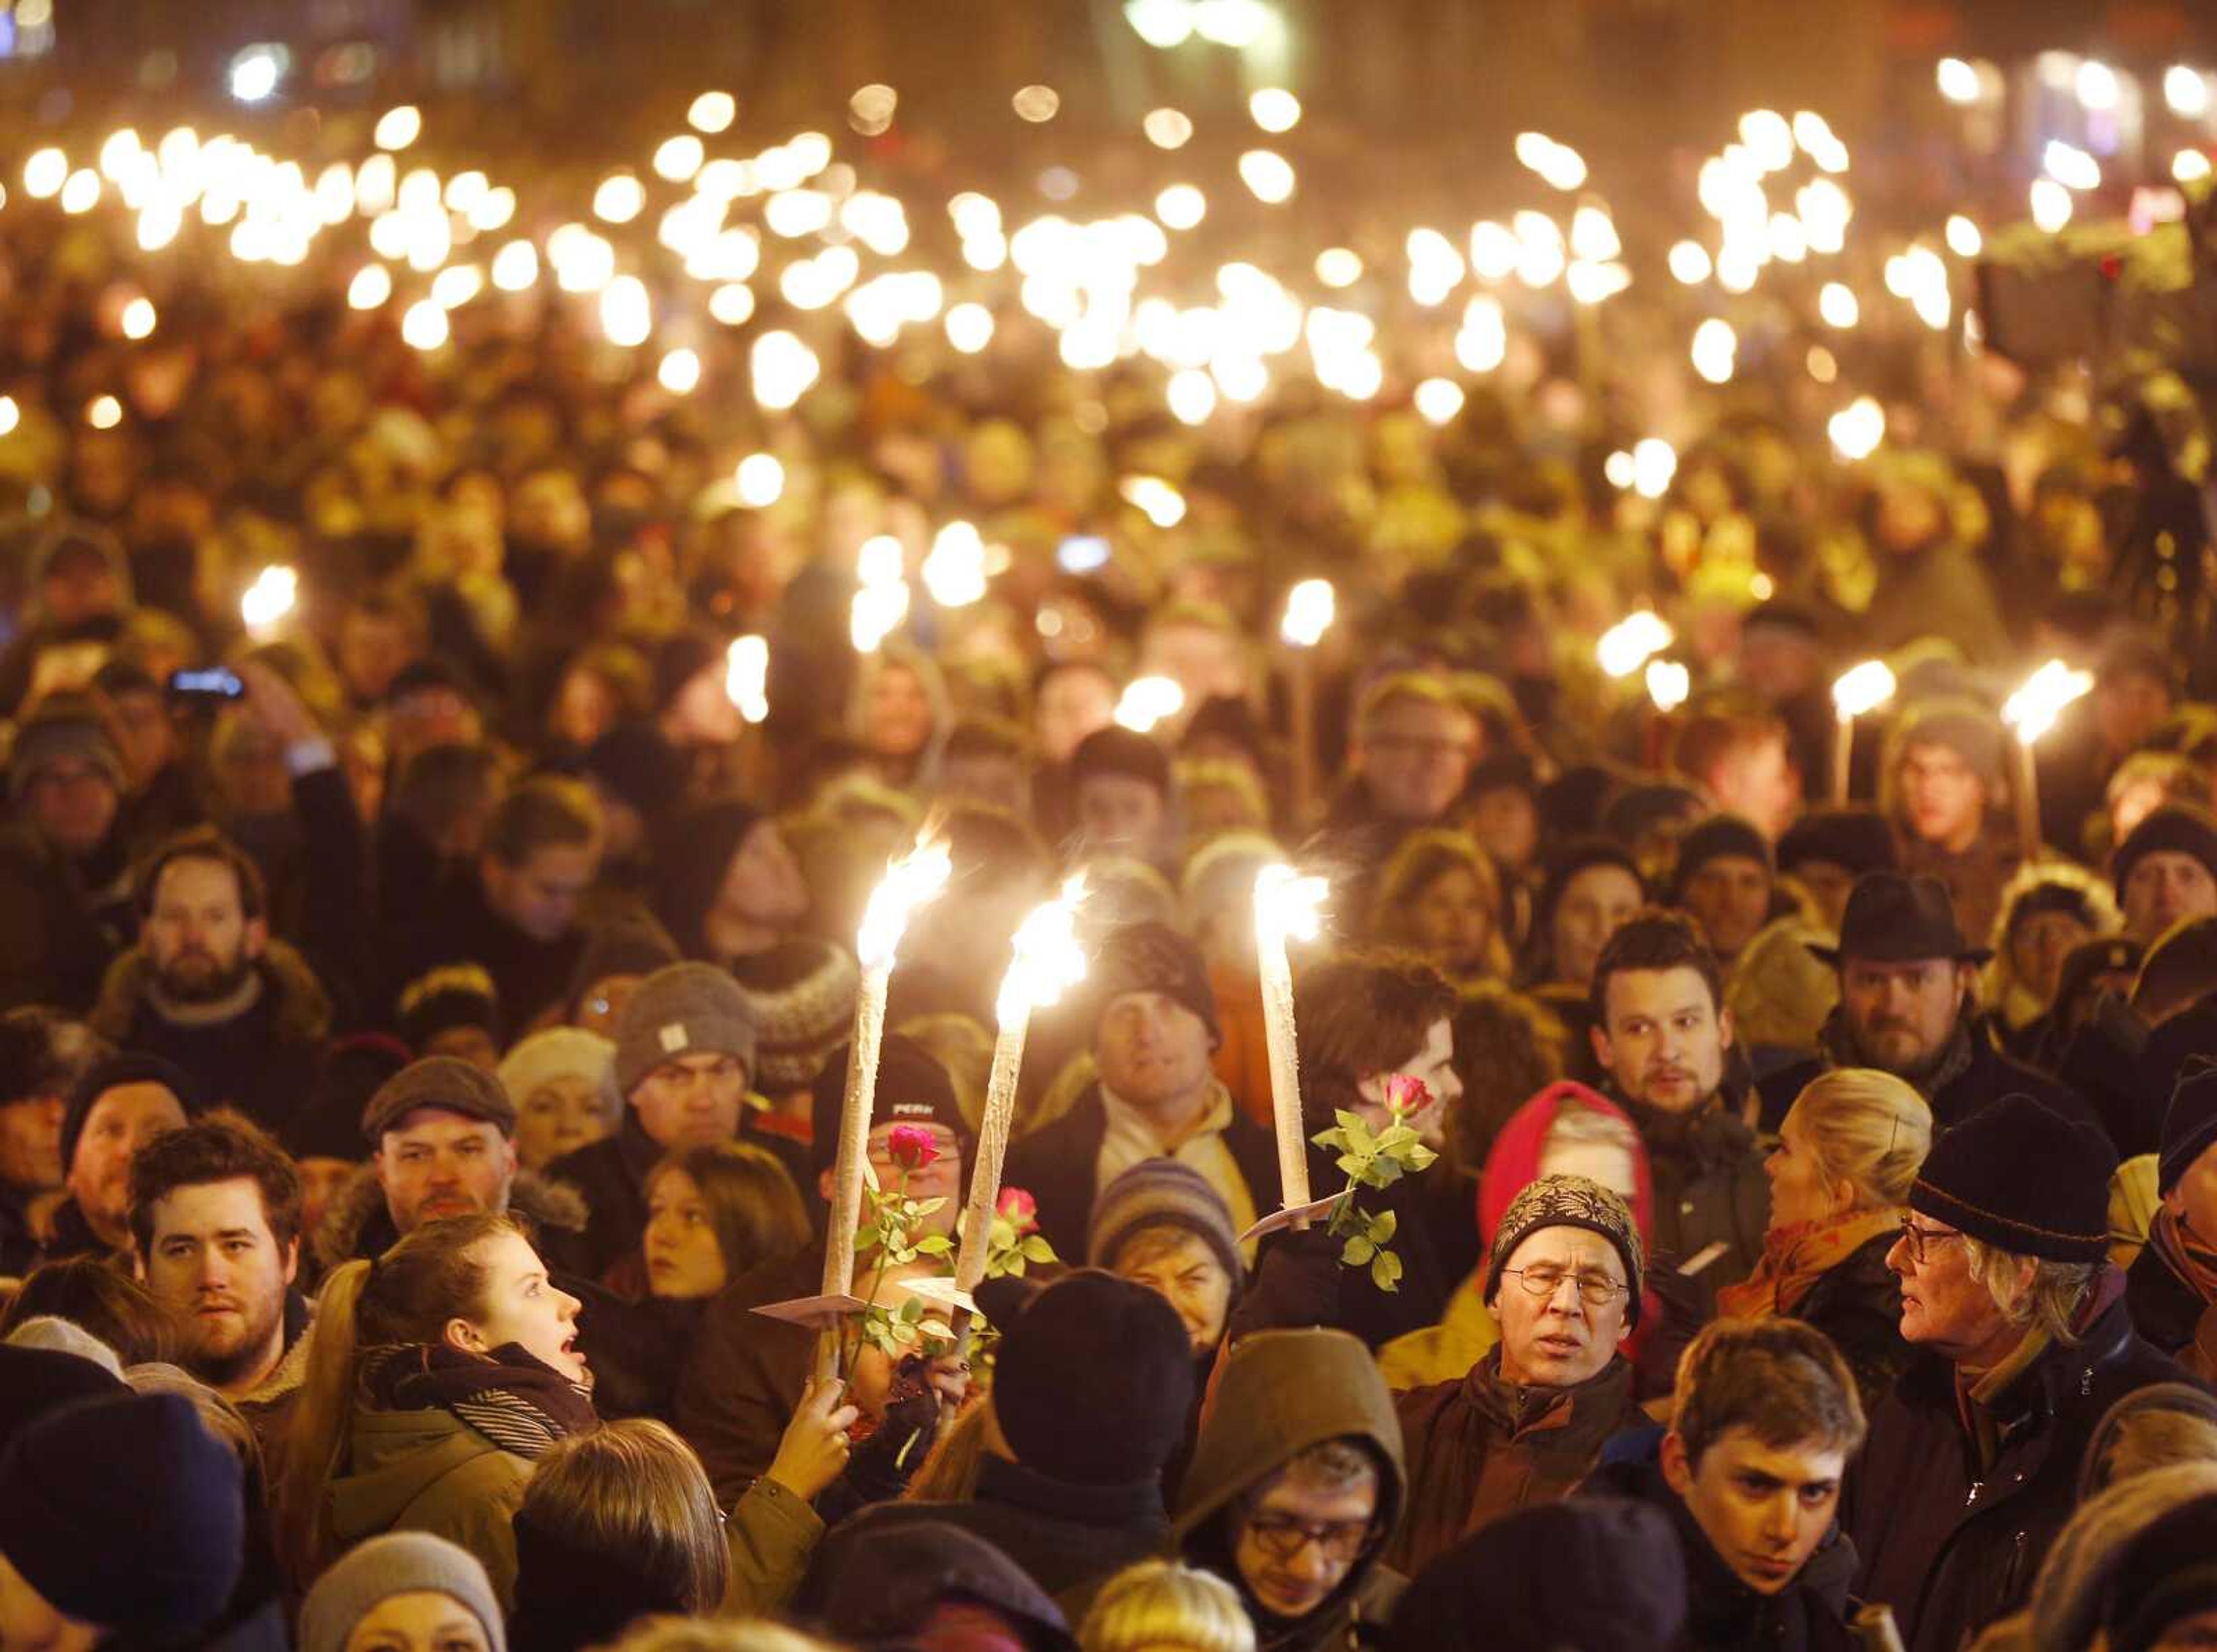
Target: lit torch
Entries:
(1287, 906)
(269, 600)
(1857, 692)
(1146, 701)
(2031, 711)
(1632, 641)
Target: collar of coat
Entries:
(1595, 1406)
(302, 1008)
(357, 1225)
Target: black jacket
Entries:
(1988, 1076)
(1709, 1189)
(1857, 1302)
(1949, 1547)
(1055, 1165)
(2165, 1309)
(529, 974)
(1722, 1613)
(62, 926)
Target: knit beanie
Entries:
(439, 1000)
(1570, 1202)
(632, 945)
(1150, 958)
(2190, 1122)
(442, 1081)
(2174, 828)
(61, 1336)
(112, 1073)
(1162, 1193)
(1599, 1573)
(36, 1381)
(913, 1088)
(1122, 752)
(1858, 840)
(2168, 1571)
(2023, 1178)
(137, 1481)
(1714, 839)
(802, 993)
(2055, 896)
(1962, 725)
(327, 1123)
(1093, 1379)
(398, 1563)
(562, 1053)
(687, 1009)
(1579, 854)
(52, 735)
(692, 856)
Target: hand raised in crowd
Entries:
(813, 1450)
(276, 705)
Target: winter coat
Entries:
(1722, 1613)
(528, 975)
(1857, 1304)
(1056, 1164)
(1482, 1447)
(1949, 1547)
(263, 1061)
(1709, 1189)
(1983, 1076)
(357, 1225)
(2165, 1309)
(61, 930)
(1303, 1394)
(743, 1378)
(430, 1471)
(1069, 1538)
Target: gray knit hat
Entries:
(1569, 1201)
(801, 994)
(52, 736)
(398, 1563)
(563, 1052)
(438, 1081)
(686, 1009)
(1161, 1193)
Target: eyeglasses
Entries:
(1916, 1239)
(1282, 1538)
(1417, 745)
(1595, 1289)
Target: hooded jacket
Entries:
(428, 1470)
(1722, 1613)
(261, 1061)
(357, 1225)
(1282, 1392)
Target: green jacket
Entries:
(1281, 1392)
(430, 1471)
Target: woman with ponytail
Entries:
(436, 1375)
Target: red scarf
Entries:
(1795, 1258)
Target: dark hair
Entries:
(1723, 728)
(1654, 938)
(1361, 1014)
(93, 1293)
(203, 843)
(633, 1495)
(546, 811)
(752, 1202)
(217, 1149)
(2179, 967)
(1781, 1380)
(442, 784)
(44, 1053)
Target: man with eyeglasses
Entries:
(2023, 1342)
(1529, 1419)
(1414, 749)
(685, 1053)
(1295, 1485)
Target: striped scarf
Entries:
(519, 1403)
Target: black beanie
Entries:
(2023, 1178)
(690, 860)
(1150, 957)
(140, 1483)
(103, 1076)
(1579, 854)
(1117, 749)
(2189, 1124)
(913, 1088)
(1093, 1377)
(1858, 840)
(327, 1123)
(1714, 839)
(2174, 828)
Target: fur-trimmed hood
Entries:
(2014, 1003)
(356, 1220)
(304, 1008)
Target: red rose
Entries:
(1020, 1208)
(911, 1146)
(1406, 1094)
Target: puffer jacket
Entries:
(1950, 1546)
(1282, 1392)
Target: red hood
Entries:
(1513, 1163)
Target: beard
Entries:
(202, 978)
(220, 1352)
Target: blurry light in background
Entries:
(783, 368)
(1268, 175)
(1439, 400)
(1714, 349)
(1654, 462)
(1036, 103)
(627, 312)
(138, 318)
(399, 127)
(1824, 366)
(955, 568)
(10, 415)
(1163, 24)
(269, 598)
(2097, 86)
(677, 159)
(1769, 138)
(969, 327)
(515, 267)
(1857, 428)
(1958, 81)
(1338, 267)
(1643, 633)
(103, 413)
(456, 285)
(1146, 701)
(1275, 110)
(257, 70)
(1155, 498)
(2189, 166)
(371, 286)
(2071, 166)
(1236, 23)
(2050, 203)
(1559, 164)
(1837, 305)
(1669, 683)
(760, 479)
(44, 173)
(1963, 238)
(733, 304)
(424, 326)
(713, 112)
(1181, 206)
(1689, 263)
(2187, 91)
(870, 110)
(1167, 128)
(680, 372)
(619, 198)
(1192, 396)
(82, 192)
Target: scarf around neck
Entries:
(513, 1399)
(1795, 1258)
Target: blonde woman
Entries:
(1159, 1606)
(1850, 1145)
(1440, 896)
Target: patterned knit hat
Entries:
(1162, 1193)
(1569, 1201)
(450, 996)
(801, 993)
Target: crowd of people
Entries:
(424, 1020)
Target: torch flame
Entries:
(1146, 701)
(2033, 709)
(269, 598)
(1288, 904)
(746, 677)
(1669, 683)
(1861, 690)
(910, 881)
(1049, 960)
(1310, 607)
(1632, 641)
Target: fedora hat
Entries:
(1896, 918)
